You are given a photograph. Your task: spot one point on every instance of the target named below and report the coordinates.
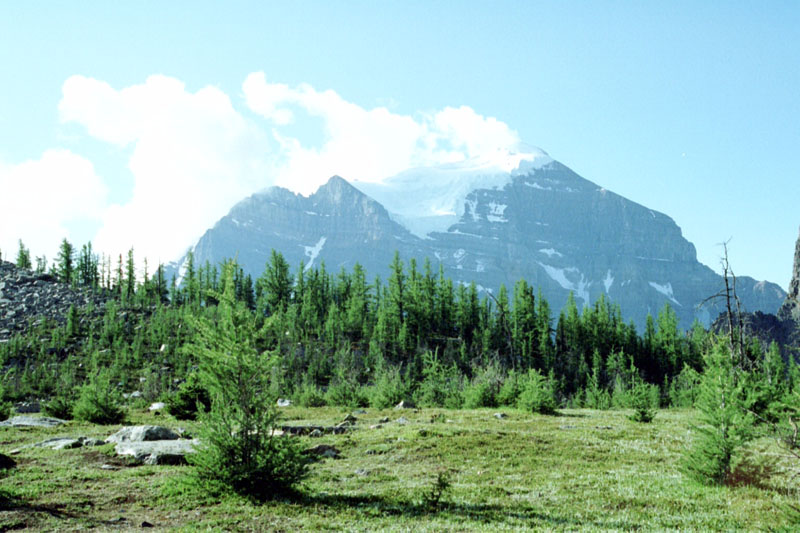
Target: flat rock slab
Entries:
(32, 421)
(142, 434)
(157, 452)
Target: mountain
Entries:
(489, 222)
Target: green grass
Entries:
(581, 470)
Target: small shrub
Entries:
(432, 497)
(99, 401)
(59, 406)
(510, 390)
(538, 394)
(346, 394)
(440, 386)
(389, 389)
(309, 395)
(191, 395)
(482, 391)
(641, 402)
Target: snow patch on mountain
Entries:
(431, 199)
(608, 281)
(496, 212)
(312, 252)
(559, 275)
(666, 290)
(550, 252)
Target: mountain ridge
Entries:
(548, 225)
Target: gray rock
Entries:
(157, 406)
(316, 433)
(384, 420)
(376, 426)
(500, 416)
(324, 450)
(283, 402)
(32, 421)
(402, 421)
(790, 310)
(142, 434)
(404, 405)
(60, 444)
(28, 407)
(159, 452)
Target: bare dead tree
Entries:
(736, 333)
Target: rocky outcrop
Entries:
(27, 299)
(152, 445)
(790, 310)
(32, 421)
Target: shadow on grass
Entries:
(484, 513)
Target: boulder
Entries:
(32, 421)
(157, 406)
(283, 402)
(142, 434)
(324, 450)
(159, 452)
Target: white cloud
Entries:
(193, 157)
(42, 197)
(193, 154)
(369, 145)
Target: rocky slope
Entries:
(790, 310)
(541, 222)
(27, 298)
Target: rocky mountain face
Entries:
(790, 310)
(542, 223)
(27, 299)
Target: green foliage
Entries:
(309, 395)
(641, 401)
(441, 385)
(100, 401)
(683, 388)
(190, 398)
(389, 389)
(510, 389)
(23, 257)
(5, 406)
(239, 450)
(433, 495)
(725, 425)
(538, 394)
(482, 391)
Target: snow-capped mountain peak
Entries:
(431, 199)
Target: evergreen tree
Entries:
(65, 262)
(239, 449)
(725, 424)
(23, 257)
(274, 287)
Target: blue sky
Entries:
(690, 108)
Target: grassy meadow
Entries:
(582, 470)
